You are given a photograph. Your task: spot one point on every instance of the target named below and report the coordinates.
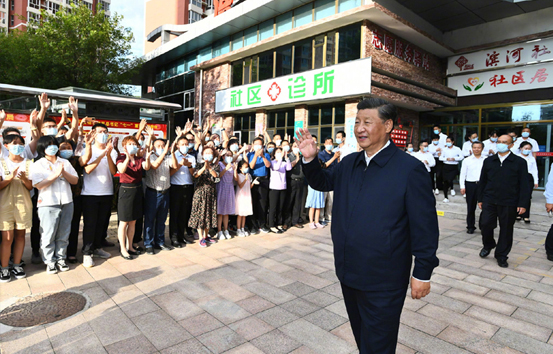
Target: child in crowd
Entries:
(243, 196)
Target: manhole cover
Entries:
(41, 309)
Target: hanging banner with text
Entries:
(515, 54)
(520, 78)
(342, 80)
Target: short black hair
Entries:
(159, 139)
(512, 130)
(181, 138)
(437, 126)
(478, 142)
(8, 130)
(329, 138)
(341, 132)
(386, 110)
(101, 125)
(233, 141)
(435, 136)
(423, 141)
(257, 139)
(10, 139)
(49, 119)
(451, 137)
(492, 133)
(44, 142)
(523, 144)
(314, 136)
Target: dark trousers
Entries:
(488, 222)
(549, 242)
(526, 214)
(96, 214)
(293, 206)
(260, 199)
(181, 207)
(276, 206)
(437, 177)
(35, 229)
(156, 207)
(75, 223)
(471, 191)
(374, 318)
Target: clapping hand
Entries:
(44, 101)
(178, 132)
(150, 131)
(89, 137)
(73, 105)
(23, 176)
(12, 175)
(306, 144)
(59, 170)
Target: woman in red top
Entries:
(129, 207)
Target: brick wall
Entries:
(214, 79)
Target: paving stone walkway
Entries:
(278, 294)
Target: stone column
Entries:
(301, 115)
(260, 121)
(228, 124)
(351, 113)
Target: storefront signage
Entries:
(516, 54)
(342, 80)
(402, 50)
(520, 78)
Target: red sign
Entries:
(399, 137)
(544, 154)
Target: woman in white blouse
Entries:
(450, 156)
(526, 153)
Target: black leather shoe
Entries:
(189, 239)
(485, 252)
(282, 229)
(128, 258)
(166, 248)
(150, 250)
(470, 231)
(298, 226)
(106, 243)
(135, 253)
(265, 230)
(176, 244)
(502, 263)
(254, 232)
(139, 249)
(550, 257)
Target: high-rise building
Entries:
(15, 14)
(167, 19)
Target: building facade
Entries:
(281, 64)
(15, 14)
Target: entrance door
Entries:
(541, 132)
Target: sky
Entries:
(133, 13)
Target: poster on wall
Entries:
(351, 141)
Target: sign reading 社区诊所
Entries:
(341, 80)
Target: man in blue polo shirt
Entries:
(330, 159)
(260, 162)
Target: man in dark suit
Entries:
(384, 213)
(502, 189)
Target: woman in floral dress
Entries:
(204, 204)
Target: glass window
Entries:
(291, 120)
(319, 52)
(205, 54)
(284, 22)
(190, 62)
(349, 47)
(330, 49)
(281, 120)
(344, 5)
(271, 121)
(283, 61)
(221, 47)
(313, 116)
(324, 8)
(326, 115)
(250, 36)
(237, 41)
(247, 70)
(237, 73)
(179, 83)
(303, 15)
(189, 81)
(266, 66)
(326, 132)
(266, 29)
(180, 67)
(303, 56)
(340, 114)
(254, 70)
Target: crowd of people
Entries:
(207, 184)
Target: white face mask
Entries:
(278, 156)
(295, 150)
(257, 147)
(228, 159)
(278, 142)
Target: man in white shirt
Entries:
(490, 145)
(342, 147)
(549, 208)
(526, 137)
(467, 145)
(468, 181)
(443, 137)
(182, 191)
(450, 156)
(425, 156)
(97, 195)
(436, 171)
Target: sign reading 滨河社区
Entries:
(528, 77)
(514, 54)
(341, 80)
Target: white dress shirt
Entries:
(535, 146)
(548, 194)
(489, 145)
(443, 140)
(502, 158)
(532, 166)
(432, 148)
(471, 169)
(182, 176)
(425, 156)
(368, 159)
(452, 152)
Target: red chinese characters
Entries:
(538, 52)
(492, 59)
(541, 76)
(514, 54)
(417, 58)
(461, 62)
(518, 78)
(498, 80)
(398, 50)
(389, 44)
(408, 53)
(378, 39)
(426, 61)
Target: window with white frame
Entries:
(34, 4)
(104, 5)
(31, 16)
(2, 18)
(2, 4)
(52, 6)
(188, 100)
(193, 16)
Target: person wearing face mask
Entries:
(52, 176)
(514, 135)
(243, 197)
(410, 149)
(467, 145)
(15, 204)
(225, 195)
(490, 145)
(468, 181)
(450, 156)
(330, 160)
(97, 194)
(503, 193)
(436, 171)
(277, 193)
(425, 156)
(437, 130)
(158, 167)
(204, 203)
(182, 192)
(130, 200)
(525, 149)
(295, 190)
(525, 137)
(271, 148)
(260, 162)
(342, 147)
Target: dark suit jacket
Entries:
(382, 215)
(504, 183)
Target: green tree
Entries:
(73, 47)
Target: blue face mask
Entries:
(410, 149)
(435, 142)
(51, 131)
(526, 152)
(234, 148)
(191, 146)
(475, 140)
(228, 159)
(208, 157)
(183, 150)
(425, 149)
(286, 148)
(502, 147)
(51, 150)
(448, 144)
(338, 141)
(66, 154)
(102, 138)
(514, 139)
(270, 150)
(436, 131)
(525, 134)
(493, 140)
(17, 149)
(216, 142)
(132, 149)
(159, 152)
(141, 142)
(329, 147)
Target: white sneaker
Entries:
(437, 191)
(246, 233)
(445, 200)
(240, 233)
(227, 235)
(51, 268)
(220, 235)
(452, 192)
(88, 262)
(101, 253)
